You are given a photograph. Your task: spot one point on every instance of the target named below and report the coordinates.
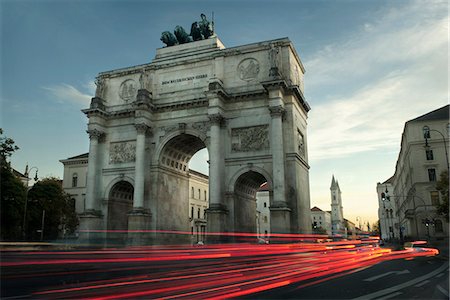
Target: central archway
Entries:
(173, 188)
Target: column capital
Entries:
(95, 134)
(276, 111)
(216, 119)
(143, 128)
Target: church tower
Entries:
(337, 215)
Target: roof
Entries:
(85, 155)
(17, 173)
(437, 114)
(315, 208)
(193, 172)
(390, 180)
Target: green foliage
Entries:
(12, 204)
(376, 228)
(442, 187)
(12, 194)
(7, 146)
(47, 195)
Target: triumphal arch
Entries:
(244, 104)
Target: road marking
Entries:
(440, 275)
(390, 296)
(422, 283)
(442, 290)
(403, 285)
(386, 274)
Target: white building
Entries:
(320, 219)
(423, 157)
(387, 211)
(263, 211)
(74, 179)
(198, 203)
(337, 214)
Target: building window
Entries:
(432, 174)
(265, 204)
(75, 180)
(434, 198)
(206, 198)
(429, 154)
(320, 217)
(198, 213)
(199, 194)
(438, 226)
(192, 212)
(192, 192)
(265, 219)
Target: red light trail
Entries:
(217, 271)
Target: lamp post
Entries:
(27, 172)
(426, 136)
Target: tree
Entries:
(12, 194)
(7, 146)
(442, 187)
(49, 204)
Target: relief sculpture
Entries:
(122, 152)
(254, 138)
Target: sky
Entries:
(370, 67)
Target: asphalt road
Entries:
(419, 278)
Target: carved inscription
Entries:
(254, 138)
(178, 80)
(122, 152)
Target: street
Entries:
(332, 270)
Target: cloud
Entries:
(395, 72)
(66, 92)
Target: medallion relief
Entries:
(122, 152)
(248, 69)
(254, 138)
(128, 90)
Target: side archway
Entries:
(243, 204)
(120, 203)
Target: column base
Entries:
(280, 219)
(217, 224)
(138, 227)
(91, 228)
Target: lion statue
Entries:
(181, 35)
(168, 38)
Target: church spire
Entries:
(333, 183)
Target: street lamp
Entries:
(426, 136)
(27, 172)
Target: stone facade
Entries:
(387, 212)
(321, 219)
(244, 104)
(422, 158)
(263, 212)
(198, 204)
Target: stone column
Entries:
(139, 169)
(91, 217)
(217, 209)
(279, 211)
(139, 217)
(92, 203)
